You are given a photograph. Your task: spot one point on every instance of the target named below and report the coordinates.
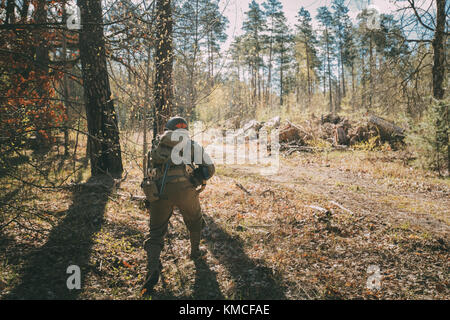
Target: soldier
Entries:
(172, 184)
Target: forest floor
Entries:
(264, 235)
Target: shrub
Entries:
(431, 139)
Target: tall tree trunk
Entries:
(439, 51)
(164, 65)
(342, 74)
(10, 16)
(24, 10)
(213, 79)
(254, 80)
(329, 73)
(371, 93)
(337, 96)
(353, 85)
(192, 99)
(103, 141)
(297, 84)
(363, 80)
(308, 73)
(145, 111)
(42, 60)
(65, 84)
(281, 80)
(259, 85)
(269, 76)
(439, 70)
(324, 76)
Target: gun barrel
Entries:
(163, 183)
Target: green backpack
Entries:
(162, 150)
(159, 156)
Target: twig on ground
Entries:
(240, 186)
(137, 198)
(268, 191)
(342, 207)
(260, 226)
(318, 208)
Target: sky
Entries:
(235, 10)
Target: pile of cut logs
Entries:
(340, 132)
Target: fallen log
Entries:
(387, 130)
(326, 131)
(291, 132)
(365, 132)
(340, 137)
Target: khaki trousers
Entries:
(183, 196)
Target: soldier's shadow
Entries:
(252, 279)
(44, 275)
(206, 286)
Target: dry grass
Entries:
(266, 245)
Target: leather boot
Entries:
(196, 252)
(152, 280)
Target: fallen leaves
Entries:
(289, 232)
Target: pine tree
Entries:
(254, 26)
(199, 29)
(342, 28)
(325, 18)
(283, 52)
(213, 25)
(306, 36)
(103, 141)
(273, 11)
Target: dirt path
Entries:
(422, 204)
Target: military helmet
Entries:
(176, 123)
